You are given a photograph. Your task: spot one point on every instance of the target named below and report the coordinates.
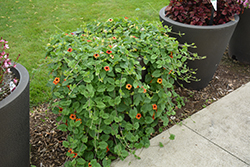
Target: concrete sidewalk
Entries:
(217, 136)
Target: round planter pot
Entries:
(239, 44)
(14, 123)
(211, 41)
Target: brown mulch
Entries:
(46, 140)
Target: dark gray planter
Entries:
(14, 123)
(211, 41)
(239, 44)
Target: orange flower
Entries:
(144, 90)
(89, 165)
(60, 109)
(106, 68)
(74, 155)
(134, 37)
(170, 71)
(138, 86)
(159, 80)
(138, 116)
(107, 149)
(114, 37)
(70, 50)
(109, 51)
(154, 107)
(66, 34)
(56, 80)
(72, 116)
(79, 119)
(125, 17)
(171, 55)
(128, 86)
(110, 46)
(66, 123)
(96, 55)
(89, 41)
(153, 116)
(70, 151)
(68, 87)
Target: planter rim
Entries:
(23, 83)
(228, 24)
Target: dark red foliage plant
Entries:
(198, 12)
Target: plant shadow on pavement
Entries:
(46, 139)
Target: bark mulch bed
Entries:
(46, 140)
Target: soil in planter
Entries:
(46, 140)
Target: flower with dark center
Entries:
(154, 107)
(109, 52)
(56, 81)
(159, 80)
(106, 68)
(138, 116)
(70, 50)
(96, 55)
(72, 116)
(128, 86)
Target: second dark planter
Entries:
(211, 41)
(14, 123)
(239, 44)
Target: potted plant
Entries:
(113, 84)
(14, 111)
(198, 23)
(239, 43)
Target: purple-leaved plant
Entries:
(8, 82)
(198, 12)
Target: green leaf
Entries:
(88, 78)
(67, 82)
(118, 149)
(62, 127)
(133, 113)
(102, 145)
(146, 107)
(136, 125)
(149, 130)
(100, 105)
(160, 144)
(137, 99)
(156, 73)
(124, 153)
(84, 139)
(106, 162)
(104, 137)
(149, 120)
(154, 56)
(88, 155)
(80, 161)
(65, 144)
(101, 88)
(110, 88)
(117, 100)
(65, 103)
(172, 137)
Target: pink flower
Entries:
(6, 46)
(15, 81)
